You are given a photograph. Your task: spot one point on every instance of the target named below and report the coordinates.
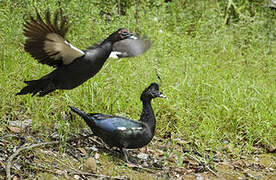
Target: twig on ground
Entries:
(2, 164)
(143, 168)
(75, 171)
(207, 167)
(8, 169)
(24, 147)
(95, 141)
(70, 169)
(46, 170)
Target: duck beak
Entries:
(131, 36)
(162, 95)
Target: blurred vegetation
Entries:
(216, 60)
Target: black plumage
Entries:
(46, 43)
(122, 132)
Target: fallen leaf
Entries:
(79, 143)
(14, 129)
(61, 172)
(143, 156)
(271, 149)
(82, 150)
(94, 148)
(131, 165)
(189, 171)
(90, 164)
(159, 152)
(77, 177)
(271, 169)
(145, 164)
(199, 177)
(2, 165)
(97, 156)
(181, 142)
(18, 166)
(21, 124)
(226, 148)
(143, 150)
(180, 170)
(15, 178)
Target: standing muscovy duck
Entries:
(122, 132)
(46, 43)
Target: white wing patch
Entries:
(114, 54)
(58, 48)
(136, 128)
(133, 37)
(121, 128)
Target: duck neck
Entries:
(110, 40)
(106, 41)
(147, 115)
(106, 45)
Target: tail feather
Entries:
(32, 82)
(82, 114)
(30, 88)
(35, 86)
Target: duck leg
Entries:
(125, 155)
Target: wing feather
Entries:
(113, 123)
(130, 48)
(46, 40)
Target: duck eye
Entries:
(151, 89)
(124, 33)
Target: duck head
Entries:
(152, 92)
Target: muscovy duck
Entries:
(46, 43)
(122, 132)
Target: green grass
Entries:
(220, 79)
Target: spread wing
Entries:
(46, 40)
(130, 48)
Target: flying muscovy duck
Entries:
(45, 42)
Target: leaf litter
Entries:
(83, 156)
